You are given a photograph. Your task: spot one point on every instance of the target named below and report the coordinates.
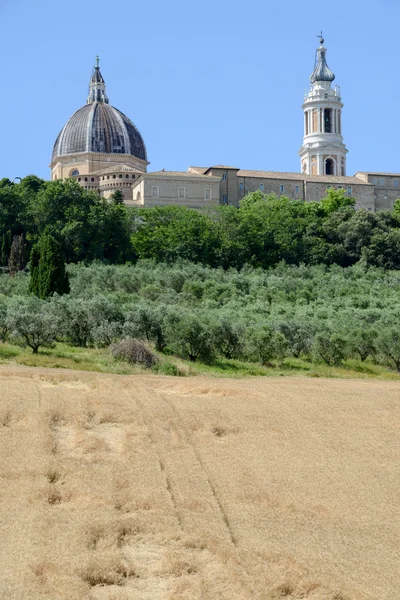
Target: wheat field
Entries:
(158, 488)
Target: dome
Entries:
(99, 127)
(321, 70)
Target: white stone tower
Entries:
(323, 151)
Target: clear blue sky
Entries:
(216, 82)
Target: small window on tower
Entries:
(297, 189)
(395, 182)
(328, 120)
(261, 186)
(282, 188)
(241, 186)
(224, 177)
(349, 191)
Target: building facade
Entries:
(103, 150)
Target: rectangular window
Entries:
(155, 191)
(328, 187)
(375, 181)
(261, 187)
(381, 181)
(224, 199)
(349, 191)
(339, 187)
(282, 188)
(297, 189)
(181, 192)
(241, 186)
(396, 182)
(207, 193)
(224, 177)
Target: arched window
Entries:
(55, 176)
(138, 197)
(86, 178)
(328, 120)
(114, 176)
(120, 176)
(126, 176)
(79, 178)
(329, 167)
(92, 179)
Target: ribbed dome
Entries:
(99, 127)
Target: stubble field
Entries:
(157, 488)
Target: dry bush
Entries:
(135, 352)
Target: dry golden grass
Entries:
(155, 488)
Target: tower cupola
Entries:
(323, 151)
(321, 71)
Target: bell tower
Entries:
(323, 151)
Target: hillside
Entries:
(158, 488)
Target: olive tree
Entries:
(32, 323)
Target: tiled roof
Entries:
(223, 167)
(378, 173)
(201, 170)
(301, 177)
(183, 174)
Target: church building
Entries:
(103, 150)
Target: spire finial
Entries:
(321, 38)
(97, 60)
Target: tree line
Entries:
(262, 232)
(314, 313)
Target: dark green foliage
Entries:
(48, 274)
(117, 197)
(16, 259)
(6, 241)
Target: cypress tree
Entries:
(5, 248)
(16, 260)
(34, 269)
(48, 274)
